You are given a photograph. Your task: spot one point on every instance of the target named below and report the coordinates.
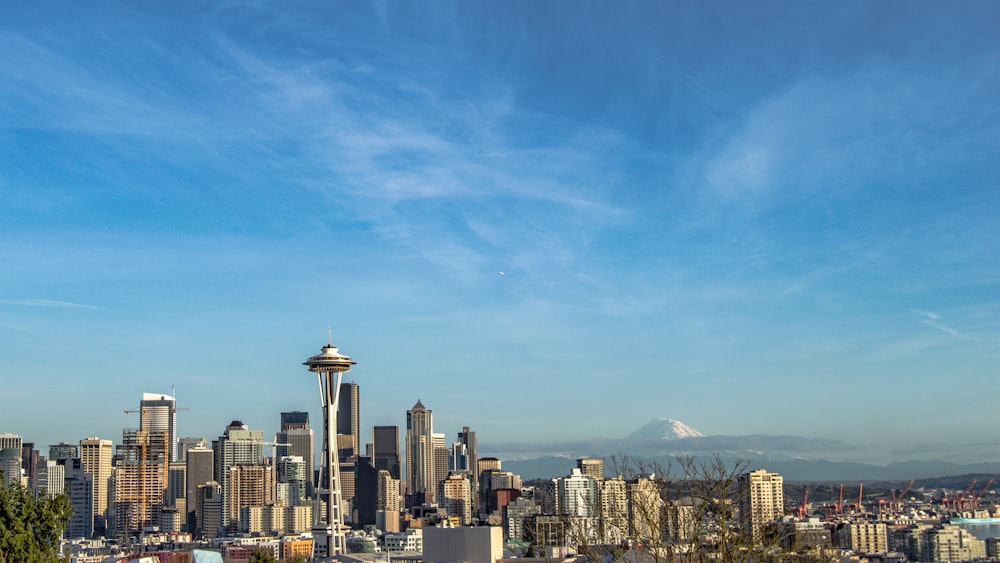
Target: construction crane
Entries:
(840, 499)
(897, 498)
(274, 452)
(960, 500)
(975, 499)
(801, 509)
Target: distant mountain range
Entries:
(662, 440)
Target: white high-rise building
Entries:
(576, 495)
(158, 413)
(761, 500)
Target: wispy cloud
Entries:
(46, 303)
(831, 135)
(933, 320)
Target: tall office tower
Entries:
(468, 439)
(385, 449)
(208, 510)
(300, 438)
(11, 442)
(29, 464)
(185, 444)
(158, 413)
(761, 500)
(593, 466)
(176, 497)
(10, 458)
(348, 421)
(420, 479)
(441, 455)
(79, 487)
(63, 451)
(237, 446)
(95, 460)
(249, 485)
(328, 535)
(294, 420)
(365, 492)
(455, 496)
(200, 471)
(458, 458)
(139, 480)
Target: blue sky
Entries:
(777, 217)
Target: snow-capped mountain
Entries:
(664, 429)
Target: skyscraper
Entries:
(300, 438)
(200, 471)
(158, 413)
(29, 464)
(761, 500)
(95, 460)
(63, 451)
(10, 458)
(348, 420)
(420, 451)
(237, 446)
(385, 446)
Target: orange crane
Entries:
(840, 499)
(897, 498)
(959, 501)
(801, 510)
(975, 499)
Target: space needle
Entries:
(328, 534)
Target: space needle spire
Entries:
(328, 533)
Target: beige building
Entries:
(275, 519)
(949, 542)
(95, 460)
(863, 537)
(645, 511)
(249, 485)
(613, 525)
(455, 497)
(761, 500)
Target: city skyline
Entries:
(768, 219)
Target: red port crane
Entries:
(975, 499)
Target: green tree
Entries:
(262, 556)
(30, 528)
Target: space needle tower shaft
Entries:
(328, 533)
